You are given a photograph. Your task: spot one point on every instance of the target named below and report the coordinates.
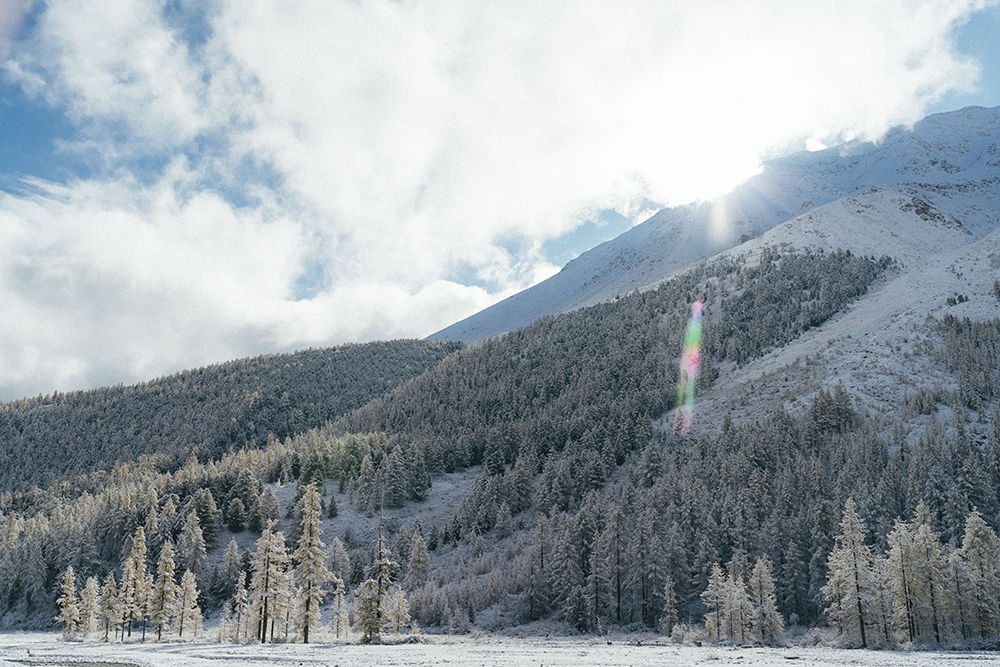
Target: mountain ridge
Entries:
(925, 156)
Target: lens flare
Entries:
(684, 414)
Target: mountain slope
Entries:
(947, 153)
(207, 410)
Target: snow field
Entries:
(48, 649)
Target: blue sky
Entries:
(186, 182)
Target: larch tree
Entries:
(241, 609)
(767, 622)
(714, 598)
(133, 590)
(310, 571)
(161, 607)
(849, 586)
(187, 612)
(109, 606)
(270, 565)
(929, 567)
(89, 606)
(339, 623)
(981, 551)
(902, 580)
(69, 604)
(397, 610)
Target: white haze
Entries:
(325, 172)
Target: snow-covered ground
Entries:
(49, 649)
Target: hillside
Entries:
(850, 357)
(926, 157)
(207, 411)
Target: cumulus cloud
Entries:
(407, 160)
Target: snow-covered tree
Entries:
(337, 560)
(849, 586)
(669, 617)
(161, 605)
(310, 571)
(901, 579)
(397, 613)
(715, 598)
(418, 571)
(339, 623)
(267, 586)
(191, 552)
(368, 610)
(133, 591)
(90, 606)
(187, 613)
(981, 551)
(69, 604)
(110, 612)
(767, 622)
(241, 609)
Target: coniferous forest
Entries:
(587, 509)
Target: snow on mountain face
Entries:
(948, 164)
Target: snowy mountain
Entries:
(951, 161)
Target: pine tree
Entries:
(90, 606)
(310, 571)
(69, 606)
(161, 606)
(767, 622)
(849, 586)
(109, 607)
(187, 612)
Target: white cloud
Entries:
(399, 143)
